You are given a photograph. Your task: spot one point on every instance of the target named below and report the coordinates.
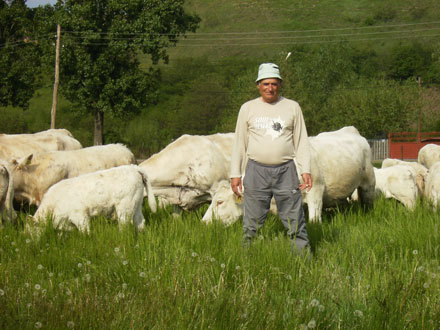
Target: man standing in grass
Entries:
(270, 133)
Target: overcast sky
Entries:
(36, 3)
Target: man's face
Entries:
(269, 89)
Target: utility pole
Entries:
(56, 83)
(419, 121)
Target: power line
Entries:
(284, 43)
(283, 37)
(219, 41)
(266, 32)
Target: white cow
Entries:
(7, 212)
(421, 171)
(429, 155)
(432, 187)
(184, 171)
(340, 163)
(19, 145)
(398, 182)
(34, 174)
(117, 192)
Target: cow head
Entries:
(225, 205)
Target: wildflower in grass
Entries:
(142, 274)
(70, 324)
(125, 262)
(321, 308)
(116, 250)
(40, 267)
(121, 295)
(87, 277)
(222, 265)
(88, 262)
(288, 277)
(415, 252)
(260, 237)
(2, 293)
(420, 269)
(12, 243)
(68, 292)
(44, 291)
(28, 240)
(37, 287)
(212, 259)
(302, 327)
(80, 265)
(124, 286)
(433, 275)
(347, 277)
(194, 254)
(237, 267)
(50, 274)
(29, 305)
(136, 246)
(38, 325)
(426, 285)
(358, 313)
(26, 285)
(314, 302)
(17, 249)
(311, 324)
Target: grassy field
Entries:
(375, 269)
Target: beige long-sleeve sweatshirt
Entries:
(271, 134)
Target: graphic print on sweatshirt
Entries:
(273, 126)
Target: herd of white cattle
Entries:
(72, 184)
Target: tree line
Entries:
(115, 62)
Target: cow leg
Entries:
(138, 218)
(366, 190)
(314, 203)
(81, 221)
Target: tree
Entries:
(409, 60)
(19, 54)
(101, 39)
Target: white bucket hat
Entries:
(268, 70)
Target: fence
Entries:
(406, 145)
(402, 145)
(379, 149)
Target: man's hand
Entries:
(307, 182)
(237, 186)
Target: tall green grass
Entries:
(375, 269)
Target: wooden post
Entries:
(419, 120)
(56, 83)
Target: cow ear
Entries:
(22, 162)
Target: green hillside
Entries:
(350, 63)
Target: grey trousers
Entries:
(261, 182)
